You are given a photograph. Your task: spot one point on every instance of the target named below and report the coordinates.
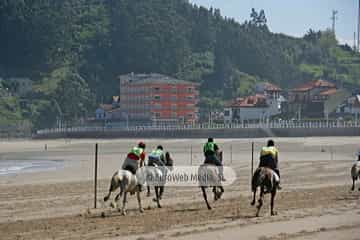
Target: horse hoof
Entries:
(113, 205)
(123, 213)
(148, 194)
(141, 210)
(273, 213)
(252, 203)
(159, 206)
(154, 200)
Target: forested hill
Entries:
(74, 49)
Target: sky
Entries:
(292, 17)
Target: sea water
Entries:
(10, 167)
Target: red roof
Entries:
(314, 84)
(258, 100)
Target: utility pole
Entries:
(355, 45)
(358, 30)
(334, 18)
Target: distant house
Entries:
(350, 106)
(20, 86)
(309, 99)
(102, 112)
(266, 103)
(257, 107)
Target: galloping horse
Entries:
(157, 172)
(264, 178)
(128, 183)
(355, 173)
(209, 177)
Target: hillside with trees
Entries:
(73, 51)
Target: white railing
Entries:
(264, 125)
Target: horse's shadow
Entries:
(112, 213)
(239, 216)
(188, 210)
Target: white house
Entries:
(265, 104)
(350, 106)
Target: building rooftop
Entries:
(258, 100)
(314, 84)
(271, 87)
(152, 78)
(329, 92)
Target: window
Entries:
(173, 89)
(190, 90)
(173, 114)
(157, 89)
(174, 98)
(157, 97)
(227, 113)
(173, 106)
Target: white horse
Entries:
(355, 173)
(158, 173)
(128, 183)
(209, 177)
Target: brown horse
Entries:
(265, 179)
(209, 177)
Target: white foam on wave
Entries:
(9, 167)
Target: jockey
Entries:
(210, 150)
(135, 158)
(269, 158)
(157, 157)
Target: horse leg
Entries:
(107, 196)
(221, 191)
(273, 194)
(260, 201)
(162, 188)
(148, 191)
(254, 197)
(111, 189)
(124, 204)
(353, 185)
(122, 188)
(157, 196)
(205, 197)
(139, 201)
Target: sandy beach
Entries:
(57, 203)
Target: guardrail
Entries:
(268, 125)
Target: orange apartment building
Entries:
(158, 99)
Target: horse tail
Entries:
(115, 181)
